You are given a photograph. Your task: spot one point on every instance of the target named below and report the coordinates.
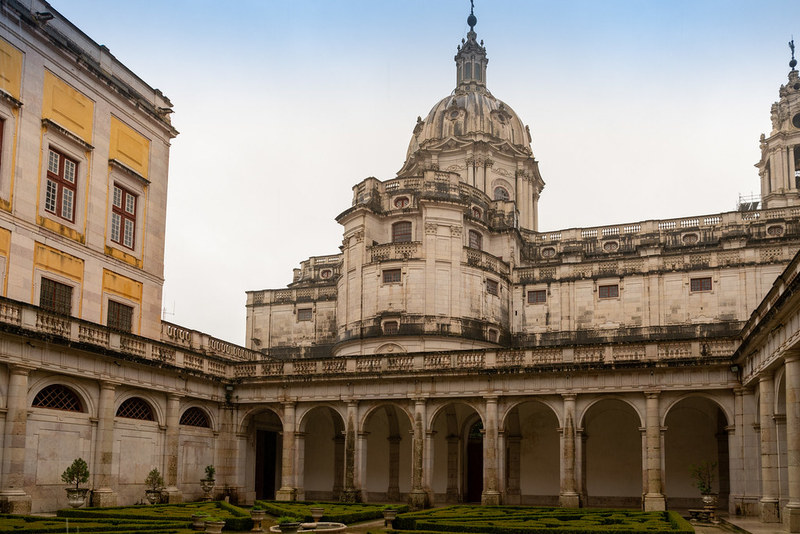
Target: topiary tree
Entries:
(77, 473)
(154, 481)
(210, 472)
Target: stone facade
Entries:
(450, 353)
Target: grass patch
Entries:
(521, 520)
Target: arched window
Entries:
(475, 240)
(401, 232)
(195, 417)
(58, 397)
(135, 408)
(500, 193)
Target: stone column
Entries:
(768, 505)
(103, 494)
(359, 477)
(171, 454)
(490, 496)
(736, 453)
(452, 495)
(512, 490)
(653, 500)
(418, 497)
(338, 467)
(351, 492)
(287, 492)
(568, 497)
(792, 377)
(580, 464)
(300, 465)
(13, 499)
(393, 491)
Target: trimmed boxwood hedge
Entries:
(334, 511)
(50, 525)
(235, 518)
(521, 520)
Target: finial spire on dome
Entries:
(793, 62)
(471, 57)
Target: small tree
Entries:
(154, 481)
(77, 473)
(210, 472)
(703, 475)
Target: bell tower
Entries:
(779, 167)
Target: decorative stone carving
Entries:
(430, 228)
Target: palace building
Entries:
(450, 353)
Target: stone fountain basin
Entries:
(322, 526)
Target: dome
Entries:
(474, 115)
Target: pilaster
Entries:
(13, 499)
(654, 499)
(103, 494)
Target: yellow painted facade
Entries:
(67, 107)
(10, 69)
(122, 286)
(55, 261)
(129, 147)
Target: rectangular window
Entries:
(123, 217)
(475, 240)
(700, 284)
(401, 232)
(55, 297)
(492, 287)
(391, 276)
(538, 296)
(304, 314)
(608, 292)
(120, 316)
(390, 327)
(60, 190)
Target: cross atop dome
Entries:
(471, 58)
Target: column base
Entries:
(418, 499)
(15, 504)
(286, 494)
(490, 498)
(654, 502)
(769, 511)
(569, 500)
(351, 495)
(171, 496)
(791, 519)
(103, 497)
(393, 495)
(512, 497)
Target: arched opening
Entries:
(264, 453)
(457, 473)
(388, 453)
(612, 459)
(321, 451)
(695, 434)
(532, 455)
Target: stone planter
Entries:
(316, 513)
(710, 501)
(289, 527)
(76, 497)
(388, 517)
(199, 521)
(257, 516)
(214, 527)
(153, 496)
(207, 485)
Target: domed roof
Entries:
(474, 114)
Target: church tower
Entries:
(779, 167)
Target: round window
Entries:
(401, 202)
(548, 252)
(796, 120)
(325, 273)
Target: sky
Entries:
(639, 110)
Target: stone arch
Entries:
(386, 446)
(580, 416)
(696, 432)
(213, 424)
(159, 415)
(86, 399)
(390, 348)
(262, 428)
(611, 460)
(532, 451)
(726, 408)
(451, 449)
(245, 418)
(320, 453)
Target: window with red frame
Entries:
(401, 232)
(61, 186)
(608, 292)
(120, 316)
(537, 296)
(700, 284)
(392, 276)
(123, 217)
(475, 240)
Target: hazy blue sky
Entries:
(638, 109)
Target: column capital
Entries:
(490, 398)
(19, 369)
(791, 355)
(766, 376)
(109, 384)
(569, 396)
(652, 393)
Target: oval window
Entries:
(401, 202)
(325, 273)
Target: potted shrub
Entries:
(703, 476)
(77, 473)
(288, 523)
(214, 525)
(154, 483)
(316, 513)
(207, 483)
(389, 513)
(257, 514)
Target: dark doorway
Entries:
(475, 463)
(266, 464)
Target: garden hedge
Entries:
(334, 511)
